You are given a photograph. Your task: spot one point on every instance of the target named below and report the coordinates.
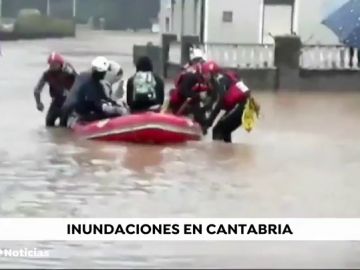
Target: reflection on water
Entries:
(302, 160)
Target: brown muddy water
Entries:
(302, 160)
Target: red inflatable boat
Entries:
(150, 127)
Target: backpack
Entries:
(144, 86)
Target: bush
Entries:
(32, 23)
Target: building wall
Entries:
(176, 27)
(61, 9)
(245, 25)
(165, 13)
(192, 15)
(189, 8)
(247, 21)
(191, 23)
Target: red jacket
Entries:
(231, 92)
(188, 85)
(235, 91)
(195, 69)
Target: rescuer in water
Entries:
(113, 75)
(191, 89)
(91, 102)
(60, 77)
(232, 97)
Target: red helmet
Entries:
(210, 67)
(55, 58)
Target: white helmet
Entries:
(114, 67)
(114, 73)
(100, 64)
(197, 53)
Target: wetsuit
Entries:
(232, 98)
(91, 101)
(138, 101)
(59, 83)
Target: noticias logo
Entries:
(24, 252)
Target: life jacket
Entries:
(236, 93)
(177, 98)
(144, 86)
(195, 68)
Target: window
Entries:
(227, 16)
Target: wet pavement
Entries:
(302, 160)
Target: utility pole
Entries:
(48, 7)
(74, 9)
(202, 21)
(173, 3)
(182, 30)
(196, 8)
(261, 22)
(0, 9)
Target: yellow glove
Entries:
(250, 114)
(254, 106)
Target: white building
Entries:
(248, 21)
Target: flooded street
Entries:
(302, 160)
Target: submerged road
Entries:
(302, 160)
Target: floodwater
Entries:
(302, 160)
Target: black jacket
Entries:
(90, 97)
(141, 105)
(70, 102)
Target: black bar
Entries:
(279, 2)
(202, 21)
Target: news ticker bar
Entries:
(178, 229)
